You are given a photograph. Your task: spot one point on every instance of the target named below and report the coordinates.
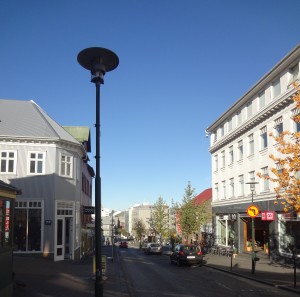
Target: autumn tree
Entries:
(191, 214)
(140, 228)
(159, 218)
(287, 176)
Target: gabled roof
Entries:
(25, 119)
(204, 196)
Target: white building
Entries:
(49, 166)
(240, 146)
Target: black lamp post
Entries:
(252, 189)
(99, 61)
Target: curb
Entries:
(282, 287)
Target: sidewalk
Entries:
(40, 277)
(265, 271)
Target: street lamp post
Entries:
(99, 61)
(252, 189)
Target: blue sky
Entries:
(182, 64)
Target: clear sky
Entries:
(182, 64)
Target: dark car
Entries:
(188, 254)
(123, 244)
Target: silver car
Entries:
(153, 248)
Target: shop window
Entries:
(5, 223)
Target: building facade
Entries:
(44, 161)
(240, 146)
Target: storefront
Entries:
(275, 232)
(7, 197)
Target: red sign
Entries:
(267, 215)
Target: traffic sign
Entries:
(252, 211)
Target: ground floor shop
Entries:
(275, 232)
(50, 230)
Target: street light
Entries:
(252, 189)
(99, 61)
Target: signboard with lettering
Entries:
(268, 215)
(88, 209)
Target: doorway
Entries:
(63, 238)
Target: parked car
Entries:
(188, 254)
(123, 244)
(153, 248)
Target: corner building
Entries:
(240, 146)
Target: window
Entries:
(294, 73)
(240, 150)
(251, 178)
(8, 162)
(278, 126)
(231, 187)
(216, 191)
(261, 100)
(249, 110)
(36, 163)
(223, 189)
(263, 137)
(241, 185)
(296, 125)
(265, 181)
(231, 155)
(239, 117)
(229, 124)
(276, 90)
(251, 144)
(223, 159)
(222, 130)
(66, 165)
(216, 162)
(279, 168)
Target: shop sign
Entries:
(88, 209)
(267, 215)
(232, 216)
(252, 211)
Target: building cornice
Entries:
(268, 111)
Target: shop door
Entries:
(60, 240)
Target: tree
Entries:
(189, 213)
(159, 218)
(140, 229)
(288, 163)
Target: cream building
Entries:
(240, 146)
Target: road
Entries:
(154, 276)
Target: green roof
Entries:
(80, 133)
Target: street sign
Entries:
(267, 215)
(88, 209)
(252, 211)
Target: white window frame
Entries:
(296, 125)
(36, 161)
(241, 185)
(249, 109)
(66, 166)
(231, 187)
(7, 159)
(216, 192)
(240, 150)
(278, 126)
(231, 157)
(263, 138)
(265, 182)
(250, 144)
(216, 162)
(262, 100)
(276, 88)
(224, 189)
(223, 159)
